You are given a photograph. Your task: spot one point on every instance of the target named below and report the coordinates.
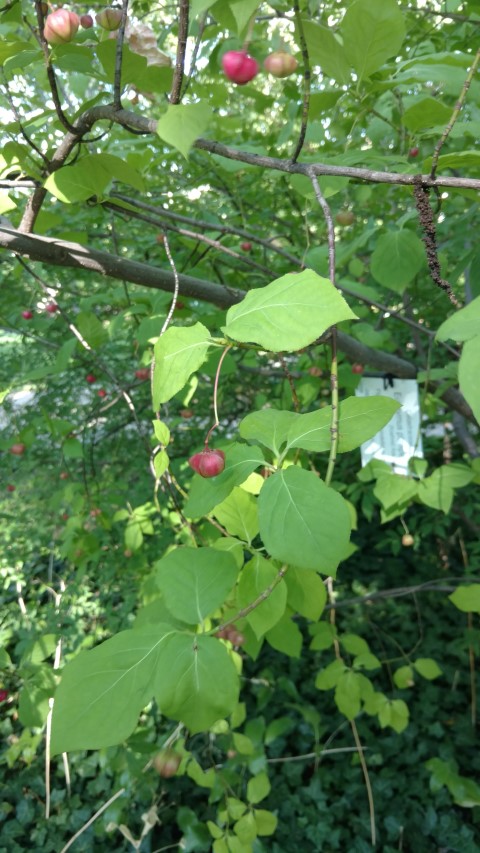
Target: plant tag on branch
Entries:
(401, 438)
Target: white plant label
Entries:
(400, 439)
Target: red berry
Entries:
(315, 371)
(10, 488)
(61, 26)
(3, 695)
(143, 373)
(65, 516)
(246, 247)
(18, 449)
(186, 413)
(90, 378)
(414, 152)
(86, 21)
(280, 64)
(64, 475)
(357, 368)
(109, 19)
(27, 315)
(52, 307)
(208, 463)
(101, 392)
(239, 67)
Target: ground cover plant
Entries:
(222, 627)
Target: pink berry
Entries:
(61, 26)
(143, 373)
(280, 64)
(3, 695)
(52, 307)
(18, 449)
(357, 368)
(90, 378)
(246, 247)
(10, 488)
(101, 392)
(86, 21)
(414, 152)
(27, 315)
(208, 463)
(239, 67)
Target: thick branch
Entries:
(64, 254)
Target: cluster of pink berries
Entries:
(208, 463)
(61, 26)
(240, 67)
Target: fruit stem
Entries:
(215, 394)
(248, 36)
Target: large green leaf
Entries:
(468, 374)
(178, 354)
(324, 49)
(197, 682)
(360, 418)
(269, 426)
(90, 176)
(426, 112)
(103, 690)
(303, 522)
(195, 581)
(306, 593)
(462, 325)
(398, 257)
(256, 577)
(372, 32)
(289, 313)
(182, 124)
(205, 494)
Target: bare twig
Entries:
(455, 114)
(92, 819)
(306, 82)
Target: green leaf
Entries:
(303, 522)
(306, 593)
(206, 494)
(195, 581)
(242, 11)
(372, 32)
(394, 714)
(347, 694)
(161, 432)
(118, 674)
(91, 328)
(178, 354)
(286, 637)
(289, 313)
(258, 788)
(392, 489)
(182, 124)
(468, 374)
(197, 682)
(72, 448)
(436, 491)
(256, 577)
(360, 418)
(398, 257)
(426, 112)
(90, 176)
(427, 668)
(325, 50)
(266, 822)
(353, 644)
(462, 325)
(238, 514)
(403, 677)
(467, 598)
(269, 426)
